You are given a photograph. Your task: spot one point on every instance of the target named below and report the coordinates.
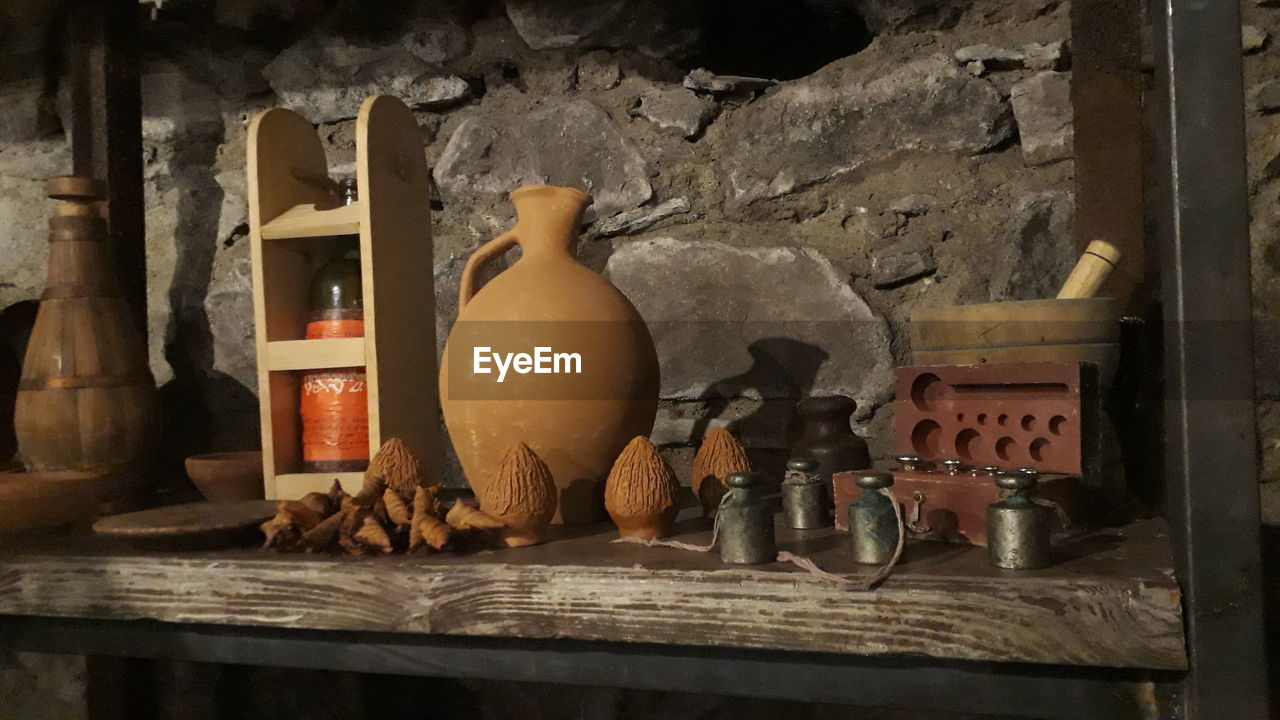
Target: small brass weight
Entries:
(873, 520)
(913, 463)
(1017, 527)
(745, 519)
(804, 496)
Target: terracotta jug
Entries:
(576, 402)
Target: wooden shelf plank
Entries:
(1111, 601)
(315, 354)
(291, 486)
(306, 221)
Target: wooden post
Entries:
(1106, 103)
(1107, 109)
(106, 131)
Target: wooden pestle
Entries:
(1097, 262)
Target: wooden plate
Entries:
(203, 525)
(28, 503)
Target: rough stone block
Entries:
(1033, 56)
(571, 143)
(325, 78)
(900, 263)
(633, 221)
(1252, 39)
(703, 80)
(25, 118)
(676, 108)
(1042, 107)
(598, 71)
(852, 113)
(1039, 251)
(774, 322)
(913, 205)
(25, 211)
(663, 28)
(1265, 96)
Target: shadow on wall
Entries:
(205, 410)
(779, 39)
(782, 373)
(16, 322)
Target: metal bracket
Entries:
(913, 518)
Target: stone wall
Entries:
(1262, 123)
(777, 234)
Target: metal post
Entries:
(1210, 436)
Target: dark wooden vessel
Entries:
(86, 399)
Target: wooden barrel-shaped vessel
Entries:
(86, 399)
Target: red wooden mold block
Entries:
(1007, 415)
(1011, 415)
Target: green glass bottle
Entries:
(337, 299)
(335, 289)
(334, 403)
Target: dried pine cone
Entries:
(321, 537)
(395, 466)
(426, 528)
(292, 520)
(640, 493)
(464, 517)
(398, 511)
(522, 495)
(719, 455)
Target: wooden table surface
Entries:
(1110, 601)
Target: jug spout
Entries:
(548, 217)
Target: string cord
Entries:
(1063, 518)
(799, 561)
(676, 544)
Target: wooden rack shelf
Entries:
(1113, 602)
(315, 354)
(292, 485)
(294, 226)
(307, 221)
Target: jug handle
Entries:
(485, 253)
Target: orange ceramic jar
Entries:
(581, 374)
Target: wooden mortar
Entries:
(1072, 327)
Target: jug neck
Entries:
(548, 218)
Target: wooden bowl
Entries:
(41, 501)
(1073, 330)
(227, 476)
